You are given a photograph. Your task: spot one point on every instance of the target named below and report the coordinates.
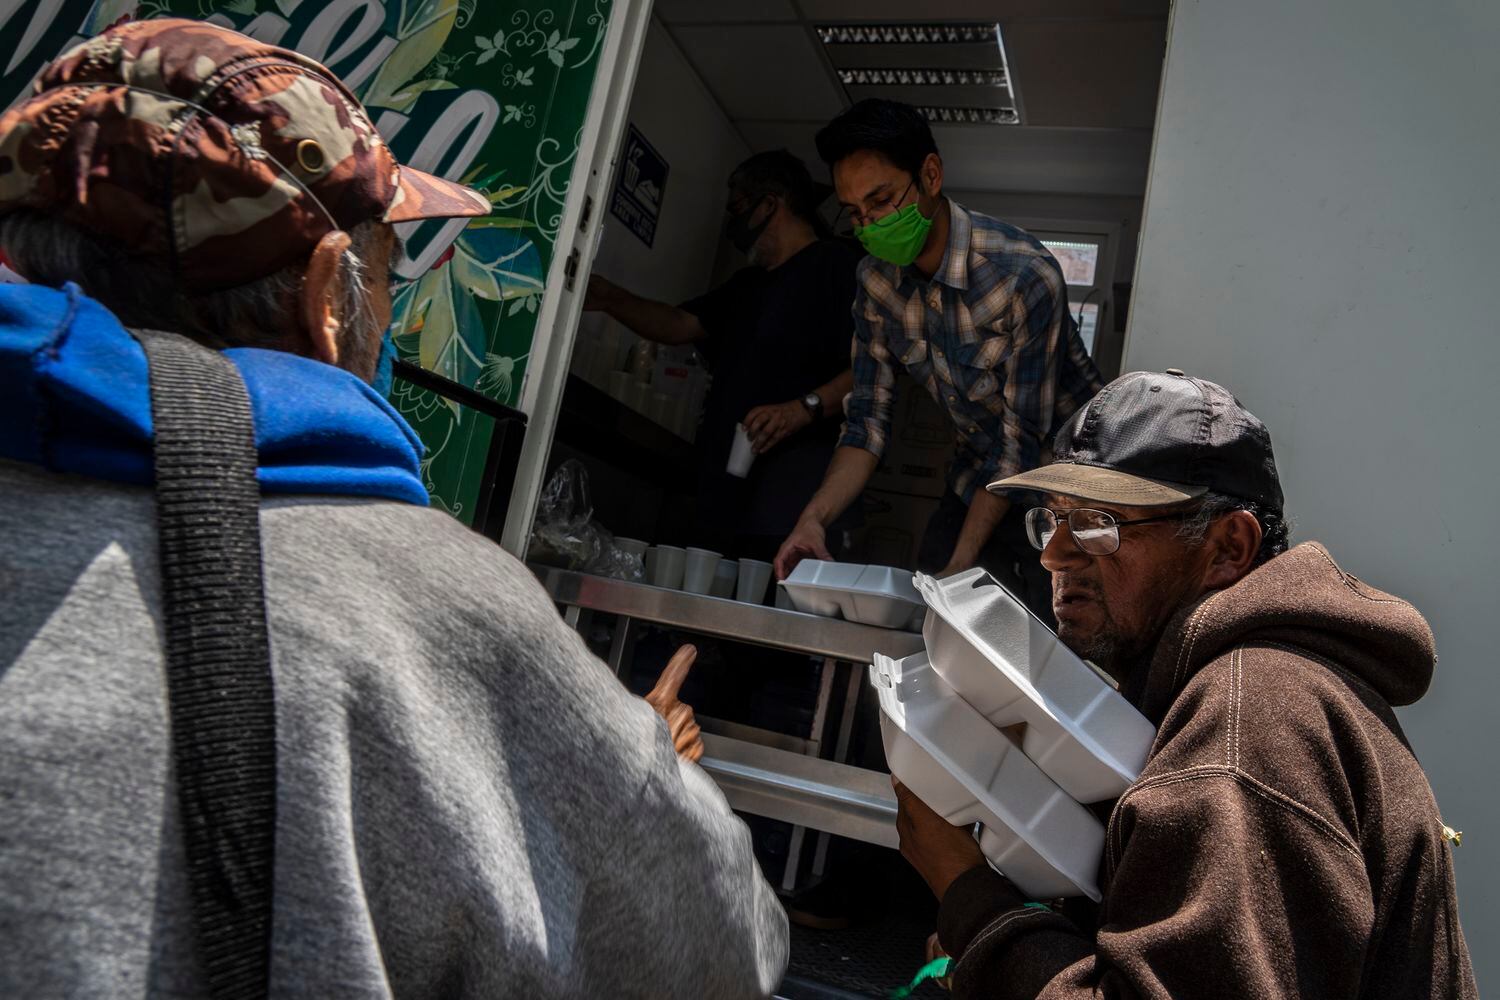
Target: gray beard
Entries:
(1108, 649)
(359, 345)
(1114, 651)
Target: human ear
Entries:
(1233, 542)
(322, 292)
(775, 207)
(931, 173)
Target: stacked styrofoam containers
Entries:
(871, 595)
(989, 664)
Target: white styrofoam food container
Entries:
(819, 588)
(871, 595)
(968, 771)
(1002, 660)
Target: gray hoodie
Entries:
(469, 803)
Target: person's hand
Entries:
(598, 292)
(935, 948)
(935, 951)
(807, 539)
(957, 564)
(938, 850)
(687, 738)
(769, 425)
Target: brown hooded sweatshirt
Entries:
(1282, 840)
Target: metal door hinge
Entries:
(570, 270)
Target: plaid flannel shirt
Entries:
(991, 338)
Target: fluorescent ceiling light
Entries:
(875, 34)
(970, 116)
(924, 77)
(868, 60)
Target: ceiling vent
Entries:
(952, 73)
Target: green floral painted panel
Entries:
(492, 92)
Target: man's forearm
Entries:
(832, 393)
(658, 321)
(847, 474)
(985, 512)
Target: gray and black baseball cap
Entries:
(1153, 439)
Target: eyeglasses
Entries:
(1095, 532)
(741, 204)
(878, 210)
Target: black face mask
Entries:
(741, 233)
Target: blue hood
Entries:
(74, 397)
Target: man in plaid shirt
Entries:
(973, 309)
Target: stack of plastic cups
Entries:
(664, 566)
(725, 575)
(698, 570)
(754, 577)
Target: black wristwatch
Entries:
(814, 404)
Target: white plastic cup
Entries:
(724, 578)
(754, 576)
(619, 385)
(608, 347)
(589, 366)
(664, 565)
(637, 395)
(659, 408)
(741, 453)
(698, 570)
(642, 360)
(634, 546)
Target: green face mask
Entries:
(897, 237)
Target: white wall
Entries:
(1321, 236)
(679, 117)
(676, 114)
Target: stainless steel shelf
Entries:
(764, 626)
(820, 794)
(760, 772)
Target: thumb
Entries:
(674, 673)
(905, 797)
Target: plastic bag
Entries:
(565, 533)
(615, 562)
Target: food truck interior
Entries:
(1043, 116)
(1047, 125)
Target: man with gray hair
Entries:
(466, 802)
(1282, 839)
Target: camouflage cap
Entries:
(227, 156)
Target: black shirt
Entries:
(773, 336)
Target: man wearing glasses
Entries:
(976, 311)
(1282, 840)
